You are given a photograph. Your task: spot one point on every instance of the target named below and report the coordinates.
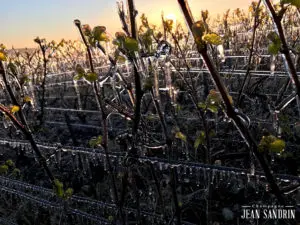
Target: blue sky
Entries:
(23, 20)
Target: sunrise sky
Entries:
(23, 20)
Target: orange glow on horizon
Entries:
(41, 22)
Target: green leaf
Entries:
(59, 188)
(213, 97)
(159, 35)
(2, 56)
(148, 84)
(144, 20)
(212, 108)
(151, 117)
(178, 108)
(92, 41)
(86, 29)
(116, 42)
(121, 59)
(16, 172)
(147, 39)
(273, 48)
(9, 163)
(213, 39)
(68, 193)
(204, 14)
(15, 109)
(292, 2)
(200, 140)
(265, 143)
(120, 36)
(285, 155)
(24, 79)
(212, 133)
(110, 218)
(103, 37)
(131, 44)
(12, 68)
(168, 25)
(273, 36)
(99, 33)
(3, 169)
(149, 32)
(180, 136)
(201, 105)
(2, 47)
(37, 40)
(27, 99)
(77, 77)
(271, 144)
(198, 30)
(79, 70)
(95, 141)
(277, 146)
(91, 77)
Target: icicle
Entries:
(127, 67)
(160, 165)
(58, 157)
(213, 173)
(221, 53)
(204, 172)
(257, 178)
(252, 166)
(156, 81)
(273, 66)
(88, 168)
(105, 165)
(275, 120)
(84, 163)
(267, 188)
(191, 170)
(35, 156)
(32, 91)
(179, 169)
(298, 104)
(78, 94)
(150, 193)
(76, 162)
(222, 177)
(94, 157)
(113, 84)
(101, 158)
(198, 177)
(217, 178)
(184, 170)
(5, 123)
(168, 80)
(186, 174)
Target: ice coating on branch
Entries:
(221, 52)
